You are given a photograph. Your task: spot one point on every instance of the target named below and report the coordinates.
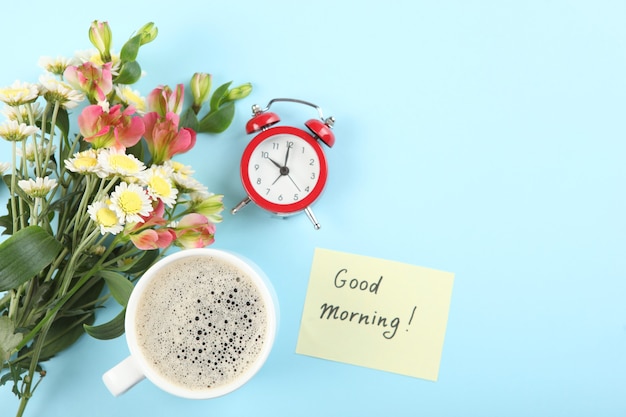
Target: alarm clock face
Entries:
(283, 170)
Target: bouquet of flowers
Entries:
(90, 211)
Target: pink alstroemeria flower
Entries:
(96, 82)
(149, 239)
(116, 128)
(155, 218)
(163, 137)
(194, 231)
(164, 100)
(147, 235)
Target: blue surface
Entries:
(484, 138)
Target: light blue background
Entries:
(484, 138)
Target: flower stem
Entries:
(13, 186)
(55, 112)
(35, 214)
(31, 120)
(39, 343)
(80, 217)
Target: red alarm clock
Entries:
(283, 168)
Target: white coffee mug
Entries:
(200, 323)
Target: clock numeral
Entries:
(307, 189)
(275, 145)
(267, 191)
(265, 155)
(256, 167)
(312, 175)
(311, 161)
(258, 180)
(295, 197)
(280, 197)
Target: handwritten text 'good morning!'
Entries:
(335, 312)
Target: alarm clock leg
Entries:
(311, 216)
(241, 205)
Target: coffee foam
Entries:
(201, 322)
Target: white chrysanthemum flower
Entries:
(56, 65)
(106, 218)
(20, 113)
(158, 182)
(130, 97)
(13, 131)
(33, 153)
(38, 187)
(117, 162)
(179, 168)
(83, 162)
(19, 93)
(189, 185)
(130, 202)
(55, 90)
(184, 181)
(4, 166)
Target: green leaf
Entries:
(109, 330)
(25, 254)
(189, 119)
(219, 95)
(119, 286)
(130, 49)
(8, 338)
(143, 262)
(137, 150)
(63, 122)
(14, 374)
(129, 73)
(218, 121)
(63, 333)
(6, 221)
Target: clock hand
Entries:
(275, 163)
(294, 183)
(287, 154)
(277, 178)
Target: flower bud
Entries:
(100, 36)
(164, 100)
(239, 92)
(210, 207)
(200, 88)
(148, 33)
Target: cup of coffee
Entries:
(200, 323)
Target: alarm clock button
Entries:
(322, 131)
(261, 121)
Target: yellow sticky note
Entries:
(375, 313)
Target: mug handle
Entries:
(123, 376)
